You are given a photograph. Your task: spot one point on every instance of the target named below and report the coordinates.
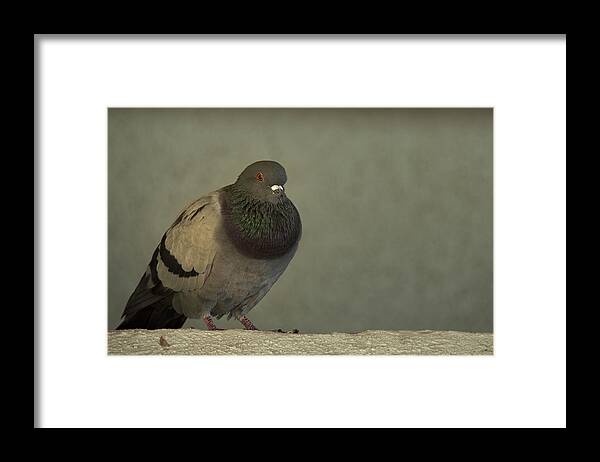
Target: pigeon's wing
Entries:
(182, 261)
(187, 250)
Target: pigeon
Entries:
(220, 256)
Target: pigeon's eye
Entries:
(260, 177)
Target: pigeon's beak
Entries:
(277, 189)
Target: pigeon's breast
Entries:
(236, 284)
(240, 277)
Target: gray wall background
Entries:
(396, 206)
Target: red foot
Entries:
(247, 323)
(209, 323)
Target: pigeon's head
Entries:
(263, 180)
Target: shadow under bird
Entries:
(221, 255)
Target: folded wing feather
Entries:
(188, 248)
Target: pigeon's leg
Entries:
(209, 322)
(247, 323)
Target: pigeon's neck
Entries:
(259, 229)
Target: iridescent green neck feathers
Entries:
(259, 228)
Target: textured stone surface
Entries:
(241, 342)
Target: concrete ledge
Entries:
(241, 342)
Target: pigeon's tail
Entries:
(153, 317)
(149, 307)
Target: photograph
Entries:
(268, 231)
(299, 231)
